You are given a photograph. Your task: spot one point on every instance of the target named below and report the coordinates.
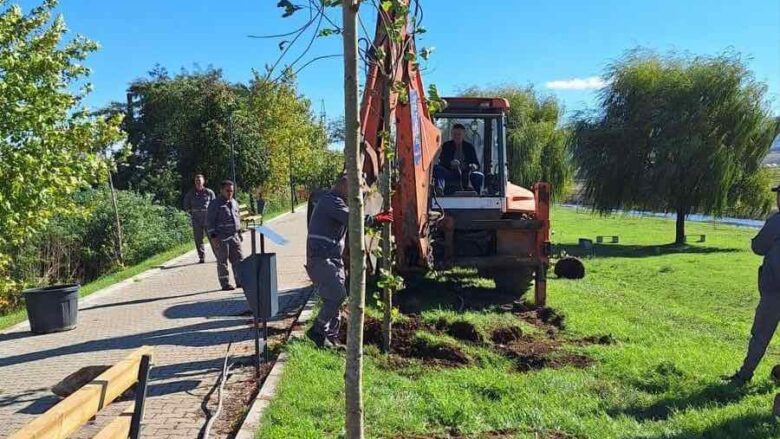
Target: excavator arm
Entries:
(394, 106)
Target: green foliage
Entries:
(82, 246)
(49, 144)
(186, 124)
(676, 134)
(536, 141)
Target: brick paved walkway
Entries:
(179, 310)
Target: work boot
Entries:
(201, 261)
(776, 406)
(316, 337)
(228, 287)
(736, 380)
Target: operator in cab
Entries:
(324, 264)
(767, 244)
(458, 164)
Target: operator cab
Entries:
(466, 125)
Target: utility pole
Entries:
(353, 375)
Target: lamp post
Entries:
(292, 184)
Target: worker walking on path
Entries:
(224, 229)
(324, 264)
(196, 204)
(766, 244)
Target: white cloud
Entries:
(592, 83)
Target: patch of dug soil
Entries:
(534, 353)
(496, 434)
(506, 335)
(407, 345)
(607, 339)
(462, 330)
(540, 316)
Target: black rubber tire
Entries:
(570, 268)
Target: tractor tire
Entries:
(512, 281)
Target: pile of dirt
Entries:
(534, 353)
(495, 434)
(407, 345)
(506, 335)
(463, 330)
(540, 316)
(607, 339)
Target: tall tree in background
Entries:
(186, 124)
(536, 140)
(49, 144)
(677, 134)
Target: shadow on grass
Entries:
(639, 251)
(715, 394)
(754, 426)
(456, 290)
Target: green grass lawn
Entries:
(13, 318)
(679, 318)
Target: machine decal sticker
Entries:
(416, 139)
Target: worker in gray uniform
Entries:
(324, 248)
(224, 229)
(196, 204)
(766, 244)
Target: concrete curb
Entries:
(109, 290)
(267, 392)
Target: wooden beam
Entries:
(76, 410)
(119, 427)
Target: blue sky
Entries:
(485, 42)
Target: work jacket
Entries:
(448, 152)
(767, 244)
(223, 220)
(196, 203)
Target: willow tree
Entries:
(678, 134)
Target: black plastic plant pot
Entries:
(52, 309)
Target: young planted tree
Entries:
(676, 134)
(353, 374)
(49, 144)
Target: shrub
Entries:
(81, 247)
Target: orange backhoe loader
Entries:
(502, 230)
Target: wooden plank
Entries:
(74, 411)
(119, 427)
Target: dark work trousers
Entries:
(198, 220)
(228, 250)
(764, 326)
(328, 276)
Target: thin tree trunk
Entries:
(353, 374)
(679, 237)
(387, 248)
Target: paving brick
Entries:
(179, 310)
